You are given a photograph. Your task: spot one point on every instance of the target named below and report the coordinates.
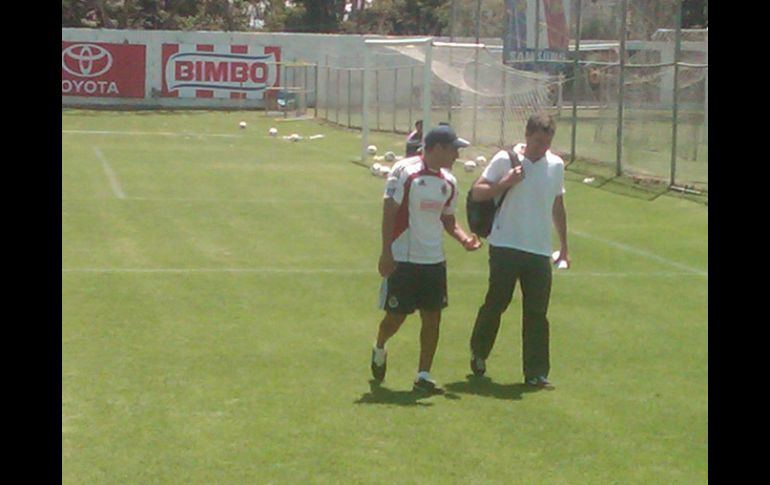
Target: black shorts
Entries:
(412, 286)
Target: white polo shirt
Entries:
(525, 218)
(423, 195)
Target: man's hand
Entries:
(561, 259)
(472, 243)
(386, 265)
(514, 175)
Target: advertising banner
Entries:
(556, 22)
(104, 70)
(219, 71)
(536, 30)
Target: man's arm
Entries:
(386, 264)
(453, 228)
(484, 189)
(560, 222)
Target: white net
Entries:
(294, 93)
(470, 88)
(481, 97)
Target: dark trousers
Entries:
(506, 267)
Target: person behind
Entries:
(419, 206)
(520, 246)
(414, 140)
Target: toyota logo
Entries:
(86, 60)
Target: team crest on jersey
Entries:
(421, 182)
(393, 302)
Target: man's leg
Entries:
(428, 338)
(432, 297)
(388, 327)
(535, 333)
(397, 299)
(502, 281)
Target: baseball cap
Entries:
(445, 135)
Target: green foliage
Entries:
(228, 15)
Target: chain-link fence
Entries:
(631, 102)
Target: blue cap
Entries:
(444, 135)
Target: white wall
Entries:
(313, 48)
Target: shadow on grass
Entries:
(382, 395)
(484, 386)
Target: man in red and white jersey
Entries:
(419, 206)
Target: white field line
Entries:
(145, 133)
(340, 271)
(640, 252)
(114, 182)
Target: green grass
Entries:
(217, 323)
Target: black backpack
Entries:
(481, 214)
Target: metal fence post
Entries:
(675, 97)
(476, 70)
(395, 97)
(575, 75)
(621, 82)
(350, 93)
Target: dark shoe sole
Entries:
(378, 372)
(433, 391)
(541, 385)
(476, 371)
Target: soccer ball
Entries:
(294, 137)
(371, 149)
(481, 160)
(469, 166)
(374, 169)
(272, 131)
(390, 156)
(242, 124)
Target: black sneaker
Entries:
(378, 371)
(478, 366)
(427, 386)
(539, 382)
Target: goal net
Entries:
(295, 91)
(400, 81)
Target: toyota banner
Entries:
(103, 70)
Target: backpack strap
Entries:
(511, 156)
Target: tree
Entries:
(695, 14)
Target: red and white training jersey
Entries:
(423, 195)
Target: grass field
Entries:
(219, 292)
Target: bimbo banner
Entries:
(102, 70)
(219, 71)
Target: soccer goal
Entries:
(463, 84)
(295, 91)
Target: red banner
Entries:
(556, 22)
(102, 70)
(219, 71)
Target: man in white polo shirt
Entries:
(419, 206)
(520, 246)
